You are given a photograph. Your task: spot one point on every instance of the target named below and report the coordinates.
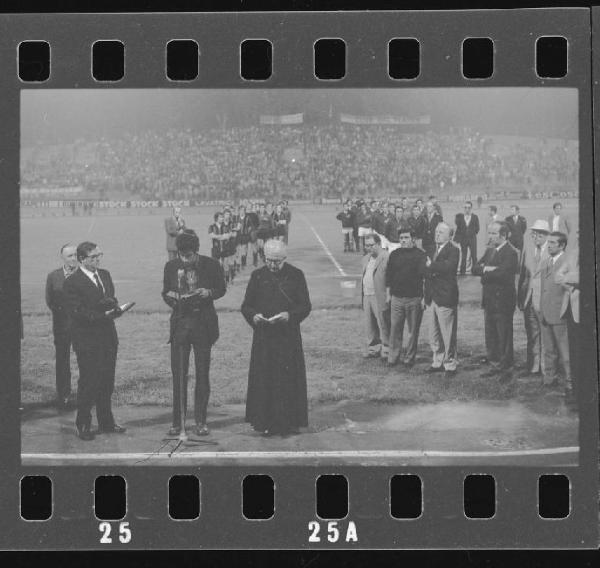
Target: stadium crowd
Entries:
(293, 162)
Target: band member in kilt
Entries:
(265, 229)
(191, 284)
(275, 304)
(246, 227)
(218, 231)
(229, 247)
(279, 223)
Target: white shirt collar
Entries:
(90, 275)
(500, 246)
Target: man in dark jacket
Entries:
(467, 228)
(497, 269)
(517, 225)
(191, 284)
(92, 309)
(431, 220)
(275, 304)
(404, 286)
(61, 327)
(395, 224)
(347, 218)
(441, 297)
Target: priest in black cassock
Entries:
(275, 304)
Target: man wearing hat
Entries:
(192, 283)
(535, 252)
(275, 304)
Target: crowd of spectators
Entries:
(294, 162)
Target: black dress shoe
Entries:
(85, 434)
(450, 374)
(435, 370)
(114, 429)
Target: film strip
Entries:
(102, 115)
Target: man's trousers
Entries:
(180, 359)
(376, 327)
(403, 310)
(442, 336)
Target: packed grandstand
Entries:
(296, 162)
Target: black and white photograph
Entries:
(301, 276)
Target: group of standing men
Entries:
(537, 274)
(82, 299)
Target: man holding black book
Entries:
(92, 308)
(191, 284)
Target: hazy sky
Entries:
(57, 115)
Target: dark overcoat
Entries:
(277, 393)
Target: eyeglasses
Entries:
(95, 256)
(276, 261)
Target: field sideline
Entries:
(134, 248)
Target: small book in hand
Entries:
(126, 307)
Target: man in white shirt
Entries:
(375, 305)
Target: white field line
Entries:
(300, 454)
(91, 226)
(325, 248)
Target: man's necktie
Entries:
(98, 283)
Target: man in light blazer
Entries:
(558, 221)
(374, 298)
(555, 339)
(535, 252)
(567, 276)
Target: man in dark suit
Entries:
(191, 284)
(441, 296)
(517, 225)
(92, 307)
(61, 327)
(553, 307)
(432, 219)
(497, 269)
(467, 228)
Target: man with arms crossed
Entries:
(497, 269)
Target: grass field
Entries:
(134, 248)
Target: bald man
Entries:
(61, 327)
(441, 297)
(275, 304)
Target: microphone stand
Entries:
(183, 438)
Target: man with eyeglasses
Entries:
(191, 284)
(92, 308)
(275, 303)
